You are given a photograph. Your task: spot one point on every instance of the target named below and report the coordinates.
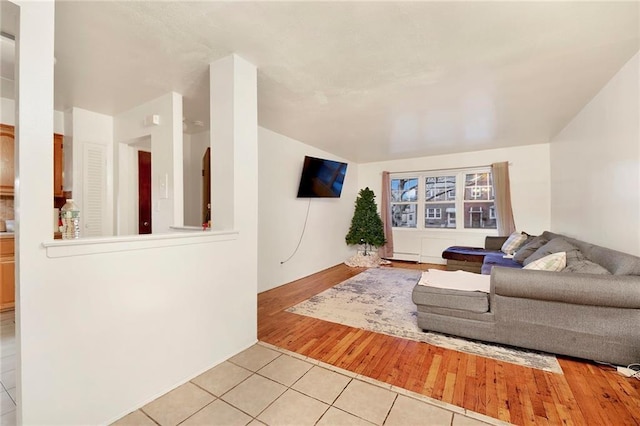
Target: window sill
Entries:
(487, 231)
(89, 246)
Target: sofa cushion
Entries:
(529, 247)
(494, 242)
(473, 301)
(555, 262)
(466, 254)
(616, 262)
(556, 245)
(514, 241)
(586, 267)
(497, 259)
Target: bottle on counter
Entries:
(207, 220)
(70, 220)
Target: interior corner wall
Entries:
(595, 167)
(529, 176)
(166, 156)
(281, 215)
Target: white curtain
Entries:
(386, 251)
(502, 193)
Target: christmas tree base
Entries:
(371, 260)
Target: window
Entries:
(433, 196)
(478, 201)
(476, 193)
(404, 202)
(434, 213)
(440, 196)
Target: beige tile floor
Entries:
(7, 368)
(265, 385)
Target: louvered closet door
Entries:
(94, 190)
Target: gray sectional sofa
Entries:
(584, 315)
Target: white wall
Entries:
(7, 111)
(8, 116)
(112, 331)
(195, 146)
(166, 157)
(595, 167)
(529, 175)
(128, 213)
(127, 327)
(282, 215)
(87, 127)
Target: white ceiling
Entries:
(367, 81)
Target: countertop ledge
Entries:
(87, 246)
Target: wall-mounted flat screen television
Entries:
(321, 178)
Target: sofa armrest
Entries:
(494, 243)
(616, 291)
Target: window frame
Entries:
(459, 200)
(406, 203)
(476, 203)
(434, 202)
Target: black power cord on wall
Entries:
(304, 228)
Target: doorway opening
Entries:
(206, 188)
(135, 171)
(144, 192)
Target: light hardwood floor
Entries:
(586, 394)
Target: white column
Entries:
(33, 191)
(234, 138)
(177, 184)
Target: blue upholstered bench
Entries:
(477, 259)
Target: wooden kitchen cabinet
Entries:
(7, 287)
(58, 165)
(7, 173)
(7, 274)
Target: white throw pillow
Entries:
(554, 262)
(513, 243)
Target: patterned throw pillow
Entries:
(554, 262)
(514, 241)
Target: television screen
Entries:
(321, 178)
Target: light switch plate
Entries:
(164, 186)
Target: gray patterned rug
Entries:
(379, 300)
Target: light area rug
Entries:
(379, 300)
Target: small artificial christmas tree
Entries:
(366, 225)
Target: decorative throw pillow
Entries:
(514, 241)
(587, 267)
(529, 247)
(556, 245)
(554, 262)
